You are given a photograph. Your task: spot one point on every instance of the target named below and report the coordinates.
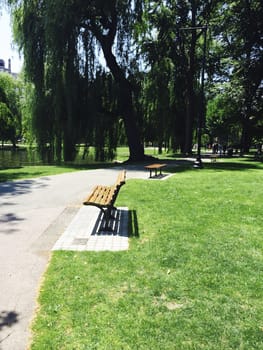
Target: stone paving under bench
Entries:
(85, 232)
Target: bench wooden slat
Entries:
(101, 195)
(155, 166)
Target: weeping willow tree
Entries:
(62, 42)
(10, 108)
(172, 33)
(241, 28)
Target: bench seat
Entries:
(100, 195)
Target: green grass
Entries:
(31, 171)
(25, 172)
(192, 278)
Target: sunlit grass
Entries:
(31, 171)
(192, 278)
(25, 172)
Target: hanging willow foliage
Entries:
(154, 52)
(60, 41)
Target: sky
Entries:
(6, 48)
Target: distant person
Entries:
(215, 148)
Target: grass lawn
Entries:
(192, 278)
(31, 171)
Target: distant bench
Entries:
(155, 167)
(104, 197)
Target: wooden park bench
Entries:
(155, 167)
(104, 197)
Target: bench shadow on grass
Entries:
(133, 225)
(118, 224)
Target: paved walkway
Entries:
(85, 232)
(36, 216)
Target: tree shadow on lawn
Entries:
(178, 166)
(242, 165)
(5, 177)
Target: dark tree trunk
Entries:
(126, 102)
(190, 93)
(246, 137)
(189, 117)
(245, 142)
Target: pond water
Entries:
(22, 156)
(10, 157)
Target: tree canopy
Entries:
(100, 66)
(10, 111)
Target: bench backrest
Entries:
(119, 182)
(121, 178)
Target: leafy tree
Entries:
(108, 22)
(8, 127)
(154, 52)
(10, 108)
(222, 117)
(60, 41)
(241, 37)
(173, 32)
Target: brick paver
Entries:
(84, 232)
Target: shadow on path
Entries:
(15, 188)
(7, 319)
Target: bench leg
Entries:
(156, 170)
(113, 209)
(106, 220)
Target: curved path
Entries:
(33, 215)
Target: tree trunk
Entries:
(126, 102)
(191, 103)
(246, 137)
(189, 117)
(245, 142)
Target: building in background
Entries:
(8, 69)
